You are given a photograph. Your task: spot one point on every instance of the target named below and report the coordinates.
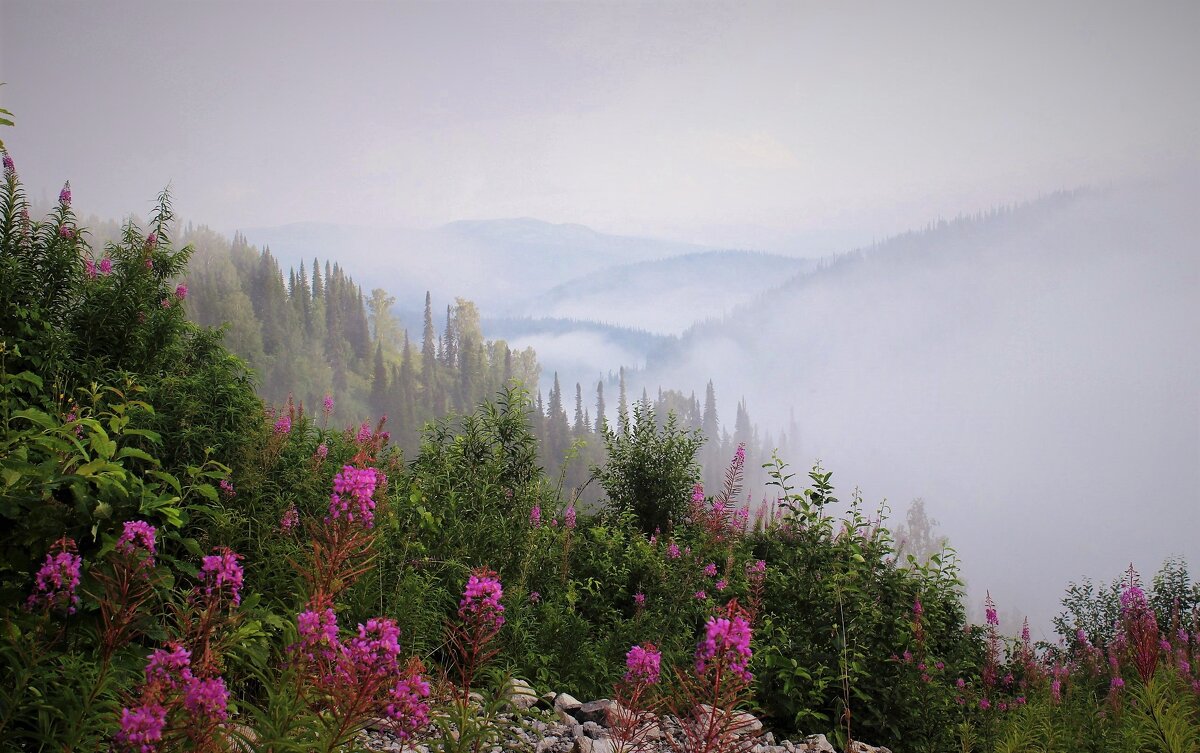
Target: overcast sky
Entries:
(743, 124)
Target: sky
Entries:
(800, 127)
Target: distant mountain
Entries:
(1033, 373)
(667, 296)
(499, 264)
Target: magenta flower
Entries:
(698, 493)
(142, 728)
(106, 266)
(220, 571)
(64, 196)
(89, 268)
(357, 485)
(535, 516)
(727, 644)
(569, 517)
(165, 303)
(318, 634)
(364, 433)
(917, 609)
(181, 291)
(700, 596)
(207, 698)
(989, 608)
(283, 425)
(149, 263)
(672, 551)
(721, 584)
(66, 232)
(152, 240)
(322, 451)
(481, 600)
(760, 566)
(327, 404)
(290, 519)
(169, 668)
(376, 647)
(710, 570)
(643, 664)
(57, 579)
(227, 488)
(138, 534)
(639, 599)
(9, 167)
(534, 597)
(407, 707)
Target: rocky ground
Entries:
(559, 723)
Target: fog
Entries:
(680, 189)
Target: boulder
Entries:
(566, 702)
(602, 712)
(519, 694)
(818, 744)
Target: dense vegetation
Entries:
(181, 564)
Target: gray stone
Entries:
(519, 693)
(601, 712)
(566, 702)
(818, 744)
(592, 730)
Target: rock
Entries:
(582, 745)
(519, 693)
(747, 723)
(818, 744)
(861, 747)
(566, 702)
(602, 712)
(592, 730)
(546, 700)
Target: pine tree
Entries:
(622, 406)
(428, 353)
(601, 421)
(379, 384)
(577, 427)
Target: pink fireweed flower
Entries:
(89, 268)
(673, 551)
(481, 600)
(142, 728)
(698, 493)
(1139, 632)
(9, 167)
(569, 517)
(290, 519)
(227, 488)
(364, 433)
(66, 232)
(985, 704)
(710, 570)
(106, 266)
(318, 634)
(322, 451)
(407, 707)
(1056, 690)
(1025, 631)
(643, 664)
(222, 571)
(917, 609)
(64, 196)
(1116, 683)
(357, 485)
(534, 597)
(727, 644)
(721, 584)
(169, 668)
(283, 425)
(152, 240)
(165, 303)
(207, 698)
(376, 647)
(989, 609)
(760, 566)
(149, 263)
(181, 291)
(55, 582)
(138, 534)
(535, 516)
(639, 599)
(699, 596)
(327, 404)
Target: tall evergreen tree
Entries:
(379, 384)
(622, 405)
(428, 352)
(601, 421)
(577, 426)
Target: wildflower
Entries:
(359, 484)
(149, 263)
(58, 577)
(318, 634)
(227, 488)
(639, 599)
(222, 570)
(137, 533)
(364, 433)
(407, 707)
(169, 668)
(327, 404)
(66, 232)
(569, 517)
(1116, 683)
(375, 649)
(940, 665)
(908, 657)
(917, 609)
(64, 196)
(9, 167)
(1025, 631)
(1056, 690)
(283, 425)
(985, 704)
(699, 596)
(721, 584)
(710, 570)
(760, 566)
(89, 268)
(728, 642)
(1139, 631)
(534, 597)
(481, 600)
(535, 516)
(643, 664)
(142, 727)
(990, 611)
(322, 451)
(181, 291)
(152, 240)
(673, 551)
(961, 683)
(698, 493)
(290, 519)
(208, 698)
(106, 266)
(165, 303)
